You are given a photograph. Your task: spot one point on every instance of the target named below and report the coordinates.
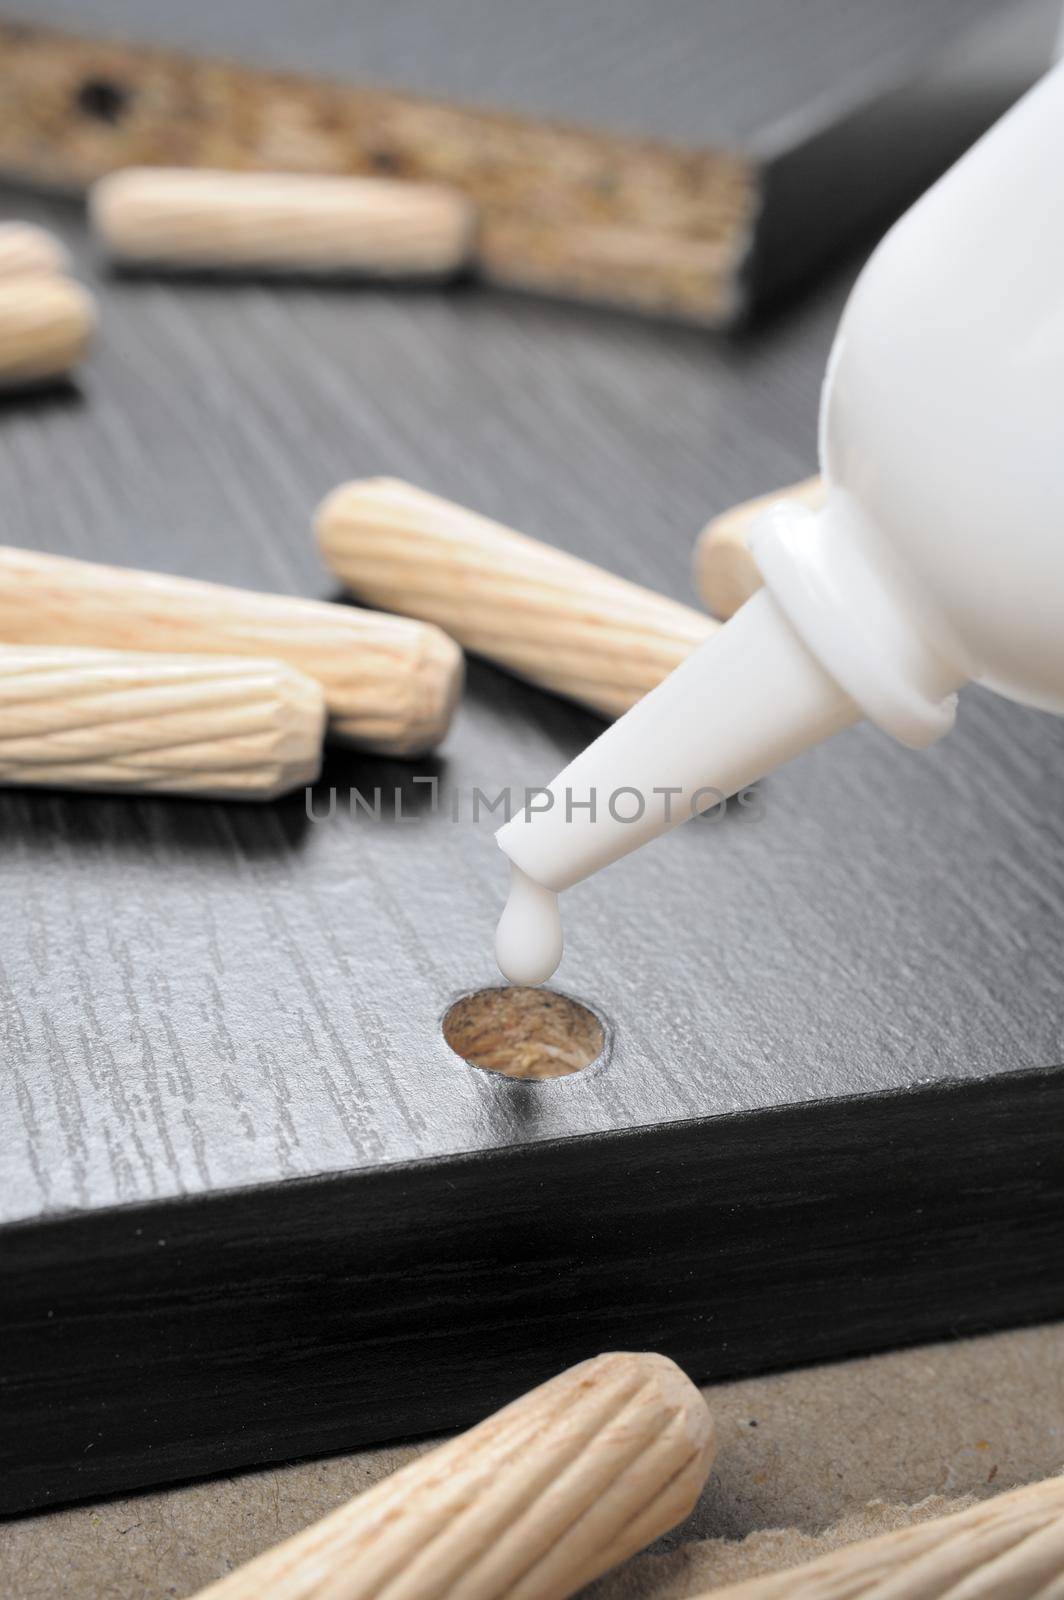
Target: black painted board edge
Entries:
(829, 180)
(148, 1344)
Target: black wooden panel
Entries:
(151, 1343)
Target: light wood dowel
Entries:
(27, 249)
(1009, 1548)
(45, 325)
(726, 574)
(531, 1505)
(234, 729)
(551, 618)
(282, 222)
(390, 684)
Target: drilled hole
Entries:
(384, 161)
(524, 1033)
(103, 100)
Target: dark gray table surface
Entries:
(197, 996)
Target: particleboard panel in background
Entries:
(685, 160)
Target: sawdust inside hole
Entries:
(524, 1033)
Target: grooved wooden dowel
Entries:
(25, 248)
(1008, 1548)
(282, 222)
(726, 574)
(45, 324)
(551, 618)
(531, 1505)
(390, 684)
(231, 728)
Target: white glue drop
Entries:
(528, 940)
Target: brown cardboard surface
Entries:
(703, 1565)
(856, 1448)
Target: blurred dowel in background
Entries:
(25, 248)
(46, 322)
(725, 572)
(671, 215)
(547, 616)
(282, 222)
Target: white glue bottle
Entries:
(938, 557)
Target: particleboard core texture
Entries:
(757, 142)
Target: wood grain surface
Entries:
(46, 322)
(391, 684)
(219, 727)
(533, 1504)
(262, 1208)
(563, 624)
